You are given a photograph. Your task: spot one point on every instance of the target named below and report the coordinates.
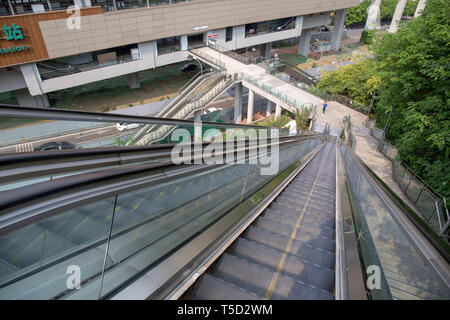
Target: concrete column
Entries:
(303, 43)
(32, 78)
(238, 103)
(336, 36)
(184, 42)
(397, 15)
(269, 108)
(27, 100)
(299, 25)
(265, 50)
(420, 8)
(373, 16)
(251, 99)
(277, 111)
(198, 125)
(133, 81)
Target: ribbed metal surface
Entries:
(288, 252)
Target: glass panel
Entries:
(37, 261)
(383, 243)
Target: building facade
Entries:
(58, 47)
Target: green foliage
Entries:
(301, 117)
(356, 81)
(367, 36)
(387, 8)
(410, 74)
(415, 69)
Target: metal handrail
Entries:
(113, 180)
(183, 93)
(14, 111)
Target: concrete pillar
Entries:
(269, 108)
(299, 25)
(251, 99)
(238, 103)
(27, 100)
(420, 7)
(303, 43)
(277, 111)
(184, 42)
(198, 125)
(336, 36)
(265, 50)
(397, 15)
(373, 15)
(32, 78)
(133, 81)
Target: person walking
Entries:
(324, 106)
(292, 125)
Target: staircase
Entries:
(213, 88)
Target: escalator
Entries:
(288, 252)
(139, 226)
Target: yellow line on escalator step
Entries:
(293, 234)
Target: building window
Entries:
(229, 34)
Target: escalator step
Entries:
(300, 203)
(289, 208)
(293, 267)
(313, 225)
(6, 268)
(208, 287)
(257, 279)
(301, 235)
(299, 249)
(326, 222)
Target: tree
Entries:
(414, 66)
(387, 8)
(357, 81)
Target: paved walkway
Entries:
(366, 146)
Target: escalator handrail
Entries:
(15, 111)
(44, 163)
(13, 204)
(391, 202)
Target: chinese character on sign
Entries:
(12, 33)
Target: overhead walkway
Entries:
(136, 225)
(255, 77)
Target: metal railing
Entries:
(431, 205)
(125, 233)
(230, 53)
(169, 105)
(184, 111)
(278, 94)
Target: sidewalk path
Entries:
(367, 150)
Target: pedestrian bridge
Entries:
(257, 80)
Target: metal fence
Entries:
(431, 205)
